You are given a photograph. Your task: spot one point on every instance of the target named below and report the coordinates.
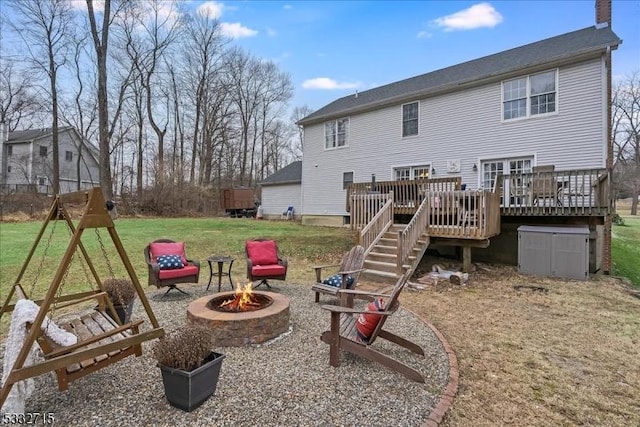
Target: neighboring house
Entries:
(27, 165)
(281, 190)
(545, 103)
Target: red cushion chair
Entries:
(159, 276)
(264, 261)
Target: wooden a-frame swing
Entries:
(101, 340)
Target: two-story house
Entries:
(27, 163)
(492, 124)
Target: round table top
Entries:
(220, 258)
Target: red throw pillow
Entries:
(158, 249)
(262, 252)
(367, 322)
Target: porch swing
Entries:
(101, 340)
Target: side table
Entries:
(220, 259)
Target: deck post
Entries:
(466, 259)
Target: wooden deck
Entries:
(576, 192)
(579, 192)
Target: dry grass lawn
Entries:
(569, 355)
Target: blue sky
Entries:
(333, 48)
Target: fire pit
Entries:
(237, 319)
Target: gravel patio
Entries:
(287, 381)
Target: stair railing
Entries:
(379, 224)
(409, 236)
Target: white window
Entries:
(335, 133)
(411, 172)
(9, 150)
(42, 180)
(347, 179)
(410, 119)
(529, 96)
(43, 151)
(68, 156)
(513, 166)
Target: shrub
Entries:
(185, 349)
(617, 219)
(121, 291)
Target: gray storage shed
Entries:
(554, 251)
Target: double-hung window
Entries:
(335, 133)
(43, 151)
(411, 172)
(68, 155)
(529, 96)
(410, 119)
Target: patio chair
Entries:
(355, 330)
(544, 186)
(287, 213)
(346, 277)
(168, 265)
(264, 261)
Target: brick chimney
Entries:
(603, 12)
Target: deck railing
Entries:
(562, 193)
(371, 229)
(408, 237)
(469, 214)
(407, 194)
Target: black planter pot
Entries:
(123, 311)
(188, 390)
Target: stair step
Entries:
(376, 274)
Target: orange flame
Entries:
(242, 299)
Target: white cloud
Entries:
(287, 7)
(477, 16)
(210, 9)
(236, 30)
(325, 83)
(271, 32)
(423, 35)
(98, 5)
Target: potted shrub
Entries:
(122, 294)
(189, 367)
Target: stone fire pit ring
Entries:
(238, 329)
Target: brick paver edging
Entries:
(450, 391)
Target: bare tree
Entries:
(203, 48)
(45, 26)
(626, 130)
(276, 90)
(298, 114)
(100, 35)
(160, 30)
(18, 101)
(81, 113)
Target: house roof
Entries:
(574, 45)
(290, 174)
(31, 135)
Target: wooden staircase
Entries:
(380, 263)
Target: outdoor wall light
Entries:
(475, 167)
(433, 170)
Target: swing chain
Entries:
(104, 253)
(44, 255)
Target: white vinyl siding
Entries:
(277, 198)
(376, 145)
